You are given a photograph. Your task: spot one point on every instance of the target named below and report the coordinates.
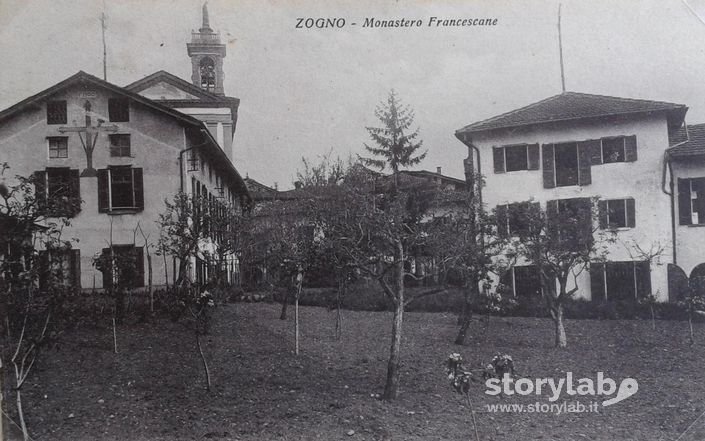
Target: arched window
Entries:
(207, 69)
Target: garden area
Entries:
(153, 388)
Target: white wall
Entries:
(640, 180)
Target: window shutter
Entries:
(43, 269)
(630, 148)
(501, 213)
(597, 281)
(106, 267)
(684, 202)
(40, 188)
(534, 157)
(631, 212)
(602, 210)
(507, 279)
(698, 185)
(498, 158)
(594, 146)
(549, 175)
(584, 164)
(642, 274)
(138, 187)
(139, 266)
(552, 223)
(103, 195)
(76, 269)
(75, 191)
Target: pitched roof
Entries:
(570, 106)
(205, 99)
(694, 145)
(211, 146)
(166, 77)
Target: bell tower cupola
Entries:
(207, 53)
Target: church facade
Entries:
(122, 151)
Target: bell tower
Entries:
(207, 53)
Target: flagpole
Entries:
(560, 49)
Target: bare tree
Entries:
(561, 241)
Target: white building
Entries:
(637, 156)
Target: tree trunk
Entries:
(20, 415)
(466, 313)
(296, 324)
(149, 281)
(285, 305)
(2, 408)
(561, 341)
(393, 366)
(205, 364)
(338, 314)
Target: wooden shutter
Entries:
(138, 188)
(44, 269)
(507, 279)
(139, 266)
(552, 223)
(584, 164)
(501, 213)
(698, 185)
(498, 158)
(76, 269)
(549, 174)
(630, 148)
(642, 274)
(534, 156)
(40, 188)
(594, 146)
(602, 214)
(106, 267)
(677, 283)
(74, 184)
(631, 212)
(103, 191)
(597, 281)
(684, 216)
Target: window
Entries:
(617, 213)
(512, 219)
(120, 146)
(613, 150)
(59, 268)
(56, 112)
(57, 190)
(119, 109)
(120, 188)
(523, 281)
(516, 157)
(128, 261)
(58, 147)
(207, 71)
(620, 280)
(691, 201)
(566, 164)
(570, 221)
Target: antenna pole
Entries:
(105, 56)
(560, 48)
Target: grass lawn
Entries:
(153, 389)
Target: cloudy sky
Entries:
(306, 91)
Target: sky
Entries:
(308, 92)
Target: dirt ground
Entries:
(153, 389)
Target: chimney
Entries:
(298, 185)
(438, 170)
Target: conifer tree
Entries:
(395, 143)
